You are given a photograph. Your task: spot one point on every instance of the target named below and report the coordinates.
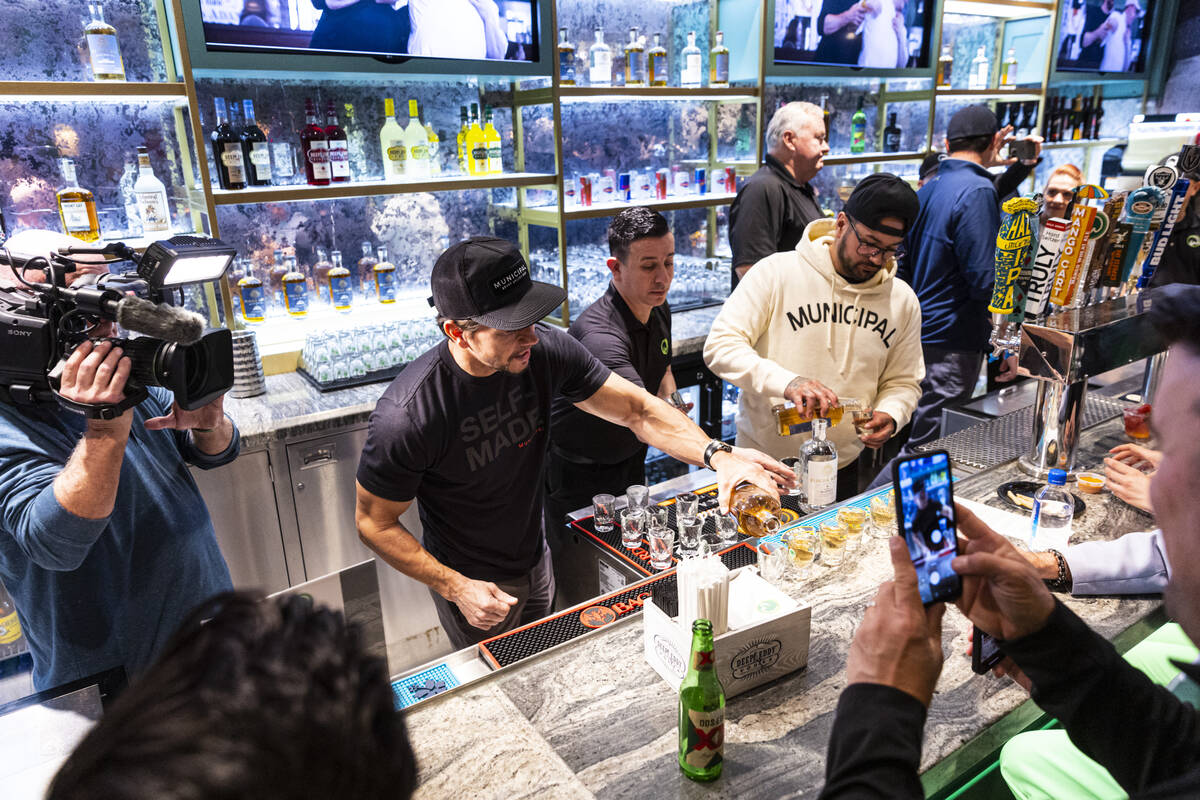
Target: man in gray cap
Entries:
(465, 429)
(827, 321)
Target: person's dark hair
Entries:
(268, 698)
(466, 325)
(973, 144)
(632, 224)
(1176, 315)
(918, 485)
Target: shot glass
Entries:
(860, 417)
(633, 527)
(797, 470)
(855, 520)
(883, 516)
(727, 529)
(638, 496)
(804, 548)
(772, 560)
(602, 512)
(689, 536)
(687, 505)
(660, 516)
(662, 544)
(833, 542)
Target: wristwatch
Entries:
(713, 447)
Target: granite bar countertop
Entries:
(593, 720)
(292, 407)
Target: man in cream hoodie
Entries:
(824, 321)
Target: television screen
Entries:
(473, 30)
(1104, 35)
(880, 34)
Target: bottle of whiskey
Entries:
(391, 143)
(341, 289)
(253, 298)
(366, 269)
(320, 273)
(692, 73)
(718, 63)
(599, 61)
(566, 60)
(151, 196)
(945, 67)
(103, 50)
(1008, 70)
(891, 134)
(256, 151)
(789, 419)
(339, 147)
(656, 63)
(385, 277)
(227, 150)
(635, 60)
(417, 142)
(314, 145)
(275, 279)
(77, 206)
(295, 290)
(491, 140)
(819, 461)
(757, 511)
(858, 129)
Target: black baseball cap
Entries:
(930, 165)
(486, 279)
(972, 121)
(883, 195)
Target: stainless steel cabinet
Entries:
(241, 501)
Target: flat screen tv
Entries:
(392, 32)
(1105, 36)
(868, 34)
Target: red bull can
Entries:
(699, 180)
(625, 186)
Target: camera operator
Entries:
(105, 541)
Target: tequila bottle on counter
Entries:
(701, 710)
(103, 50)
(339, 148)
(599, 61)
(227, 150)
(981, 72)
(858, 129)
(366, 270)
(256, 151)
(153, 207)
(691, 75)
(656, 63)
(820, 464)
(295, 290)
(566, 59)
(945, 66)
(77, 206)
(391, 143)
(1008, 70)
(891, 135)
(491, 140)
(341, 289)
(635, 60)
(385, 277)
(757, 511)
(718, 63)
(314, 145)
(417, 143)
(252, 296)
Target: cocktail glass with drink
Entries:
(833, 542)
(1137, 422)
(883, 515)
(855, 520)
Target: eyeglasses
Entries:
(870, 251)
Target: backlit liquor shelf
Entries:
(450, 183)
(55, 91)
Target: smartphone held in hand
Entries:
(925, 512)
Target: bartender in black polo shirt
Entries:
(629, 331)
(774, 206)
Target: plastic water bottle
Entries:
(1053, 509)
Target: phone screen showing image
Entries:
(925, 511)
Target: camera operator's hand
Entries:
(211, 429)
(95, 374)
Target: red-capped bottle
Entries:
(339, 150)
(314, 143)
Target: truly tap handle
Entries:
(1013, 243)
(1163, 236)
(1041, 275)
(1139, 210)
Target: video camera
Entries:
(41, 324)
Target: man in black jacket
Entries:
(1147, 737)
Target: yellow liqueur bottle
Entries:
(477, 155)
(77, 207)
(391, 143)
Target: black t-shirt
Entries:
(471, 451)
(843, 46)
(1091, 55)
(1181, 260)
(638, 353)
(769, 214)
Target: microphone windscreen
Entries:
(160, 321)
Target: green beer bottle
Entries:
(701, 710)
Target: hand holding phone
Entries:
(925, 516)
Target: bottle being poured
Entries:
(757, 510)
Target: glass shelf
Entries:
(450, 183)
(1083, 143)
(91, 90)
(547, 215)
(610, 93)
(1014, 93)
(1003, 9)
(873, 158)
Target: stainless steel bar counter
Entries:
(592, 719)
